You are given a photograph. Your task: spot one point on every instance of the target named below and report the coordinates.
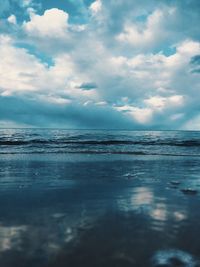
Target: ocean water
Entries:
(18, 141)
(99, 198)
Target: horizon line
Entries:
(98, 129)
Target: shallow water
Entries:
(99, 210)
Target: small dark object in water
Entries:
(189, 191)
(175, 182)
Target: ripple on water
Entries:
(173, 258)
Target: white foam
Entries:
(171, 257)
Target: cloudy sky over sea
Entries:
(119, 64)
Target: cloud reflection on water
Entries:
(159, 211)
(10, 237)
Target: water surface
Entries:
(80, 198)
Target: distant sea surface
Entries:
(180, 143)
(99, 198)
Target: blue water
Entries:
(96, 142)
(99, 198)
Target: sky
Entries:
(104, 64)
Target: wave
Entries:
(20, 143)
(185, 143)
(91, 152)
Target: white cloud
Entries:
(12, 19)
(160, 103)
(27, 3)
(189, 48)
(149, 33)
(31, 11)
(52, 24)
(96, 7)
(17, 68)
(22, 73)
(141, 115)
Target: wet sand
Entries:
(99, 210)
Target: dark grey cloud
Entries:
(196, 70)
(88, 86)
(195, 60)
(40, 113)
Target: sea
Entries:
(99, 198)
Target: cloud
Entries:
(64, 67)
(148, 33)
(142, 103)
(195, 63)
(46, 114)
(195, 60)
(17, 7)
(95, 7)
(18, 69)
(12, 19)
(160, 103)
(88, 86)
(52, 24)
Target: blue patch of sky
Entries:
(13, 8)
(45, 59)
(142, 18)
(17, 9)
(166, 50)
